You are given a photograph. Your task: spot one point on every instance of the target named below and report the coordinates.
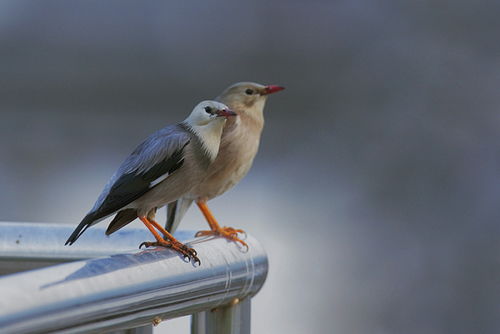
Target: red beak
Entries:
(225, 113)
(271, 89)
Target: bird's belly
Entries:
(219, 182)
(236, 154)
(174, 187)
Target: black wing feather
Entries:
(130, 187)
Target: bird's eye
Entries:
(208, 110)
(249, 91)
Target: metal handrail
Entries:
(127, 289)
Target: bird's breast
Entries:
(236, 154)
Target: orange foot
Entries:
(228, 233)
(188, 253)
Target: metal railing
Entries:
(118, 287)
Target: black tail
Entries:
(121, 219)
(175, 212)
(172, 207)
(84, 225)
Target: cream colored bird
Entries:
(238, 147)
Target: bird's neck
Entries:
(209, 136)
(248, 119)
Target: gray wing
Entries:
(151, 162)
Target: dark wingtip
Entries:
(82, 227)
(121, 219)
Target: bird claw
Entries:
(190, 250)
(228, 233)
(187, 252)
(146, 244)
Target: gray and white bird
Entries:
(239, 145)
(165, 167)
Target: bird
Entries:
(239, 145)
(163, 168)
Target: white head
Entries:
(207, 121)
(209, 113)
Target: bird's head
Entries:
(207, 121)
(247, 96)
(207, 112)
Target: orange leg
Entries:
(162, 230)
(170, 243)
(215, 229)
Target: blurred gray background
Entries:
(376, 187)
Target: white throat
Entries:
(210, 135)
